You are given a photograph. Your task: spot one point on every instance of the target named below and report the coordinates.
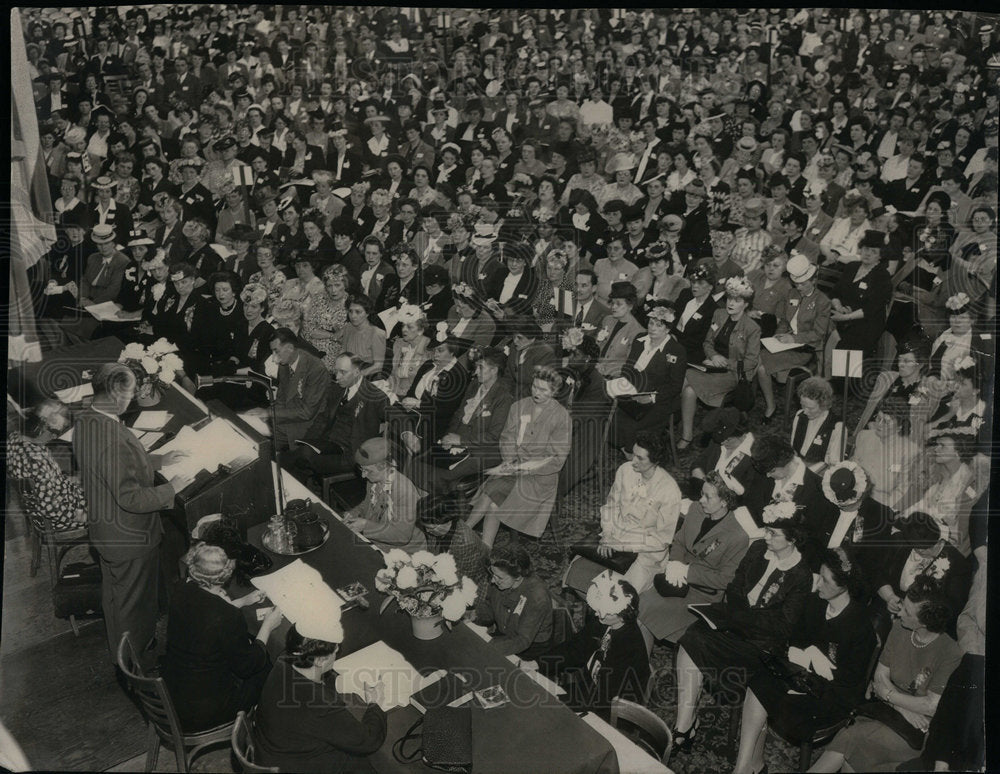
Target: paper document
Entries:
(305, 599)
(217, 443)
(257, 423)
(149, 440)
(389, 318)
(75, 394)
(380, 663)
(480, 631)
(111, 311)
(152, 420)
(772, 345)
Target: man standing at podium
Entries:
(123, 506)
(303, 384)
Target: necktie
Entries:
(104, 266)
(579, 317)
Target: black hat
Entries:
(74, 217)
(723, 423)
(872, 238)
(435, 275)
(633, 213)
(624, 290)
(224, 143)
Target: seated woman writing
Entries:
(762, 605)
(822, 676)
(731, 349)
(302, 722)
(517, 608)
(213, 668)
(650, 384)
(607, 658)
(638, 519)
(534, 444)
(912, 672)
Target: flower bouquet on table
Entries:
(428, 587)
(155, 368)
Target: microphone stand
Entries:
(248, 380)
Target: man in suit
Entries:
(617, 330)
(184, 84)
(590, 310)
(303, 387)
(123, 506)
(354, 413)
(475, 428)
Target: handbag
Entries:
(742, 395)
(445, 740)
(889, 716)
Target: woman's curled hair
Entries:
(302, 652)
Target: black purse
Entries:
(742, 395)
(445, 741)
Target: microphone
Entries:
(245, 380)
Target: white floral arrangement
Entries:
(605, 596)
(425, 585)
(739, 286)
(778, 511)
(158, 362)
(572, 338)
(939, 567)
(441, 332)
(957, 302)
(462, 289)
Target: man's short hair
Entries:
(285, 336)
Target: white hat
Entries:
(799, 267)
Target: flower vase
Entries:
(427, 628)
(148, 394)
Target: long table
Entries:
(535, 732)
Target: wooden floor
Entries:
(58, 694)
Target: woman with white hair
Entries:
(213, 668)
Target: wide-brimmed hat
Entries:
(372, 452)
(241, 232)
(799, 267)
(102, 234)
(621, 162)
(103, 183)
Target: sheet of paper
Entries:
(389, 317)
(109, 310)
(257, 423)
(847, 362)
(380, 663)
(772, 345)
(305, 599)
(152, 420)
(217, 443)
(149, 440)
(480, 631)
(75, 394)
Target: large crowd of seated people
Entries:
(484, 254)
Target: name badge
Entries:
(520, 605)
(863, 285)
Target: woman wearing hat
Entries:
(803, 319)
(621, 187)
(324, 314)
(212, 665)
(235, 210)
(822, 677)
(320, 734)
(751, 239)
(607, 658)
(136, 281)
(554, 299)
(521, 491)
(861, 298)
(256, 306)
(771, 288)
(173, 314)
(379, 145)
(587, 179)
(731, 346)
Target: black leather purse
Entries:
(742, 395)
(445, 741)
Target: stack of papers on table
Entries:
(113, 312)
(152, 420)
(772, 345)
(217, 443)
(305, 599)
(378, 663)
(75, 394)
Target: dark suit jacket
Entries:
(175, 245)
(437, 409)
(313, 159)
(524, 291)
(954, 581)
(123, 503)
(363, 413)
(808, 496)
(383, 292)
(481, 434)
(191, 90)
(300, 399)
(692, 338)
(522, 374)
(119, 217)
(664, 374)
(209, 654)
(350, 173)
(100, 286)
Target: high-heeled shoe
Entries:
(768, 418)
(684, 741)
(683, 443)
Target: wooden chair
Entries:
(562, 621)
(161, 718)
(117, 84)
(242, 743)
(823, 736)
(56, 543)
(644, 727)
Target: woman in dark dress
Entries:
(861, 298)
(695, 307)
(762, 605)
(580, 221)
(218, 332)
(807, 689)
(212, 667)
(608, 657)
(588, 410)
(315, 732)
(173, 315)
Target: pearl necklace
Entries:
(226, 313)
(913, 640)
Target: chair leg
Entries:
(805, 755)
(735, 718)
(72, 623)
(672, 432)
(36, 553)
(152, 748)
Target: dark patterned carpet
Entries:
(577, 515)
